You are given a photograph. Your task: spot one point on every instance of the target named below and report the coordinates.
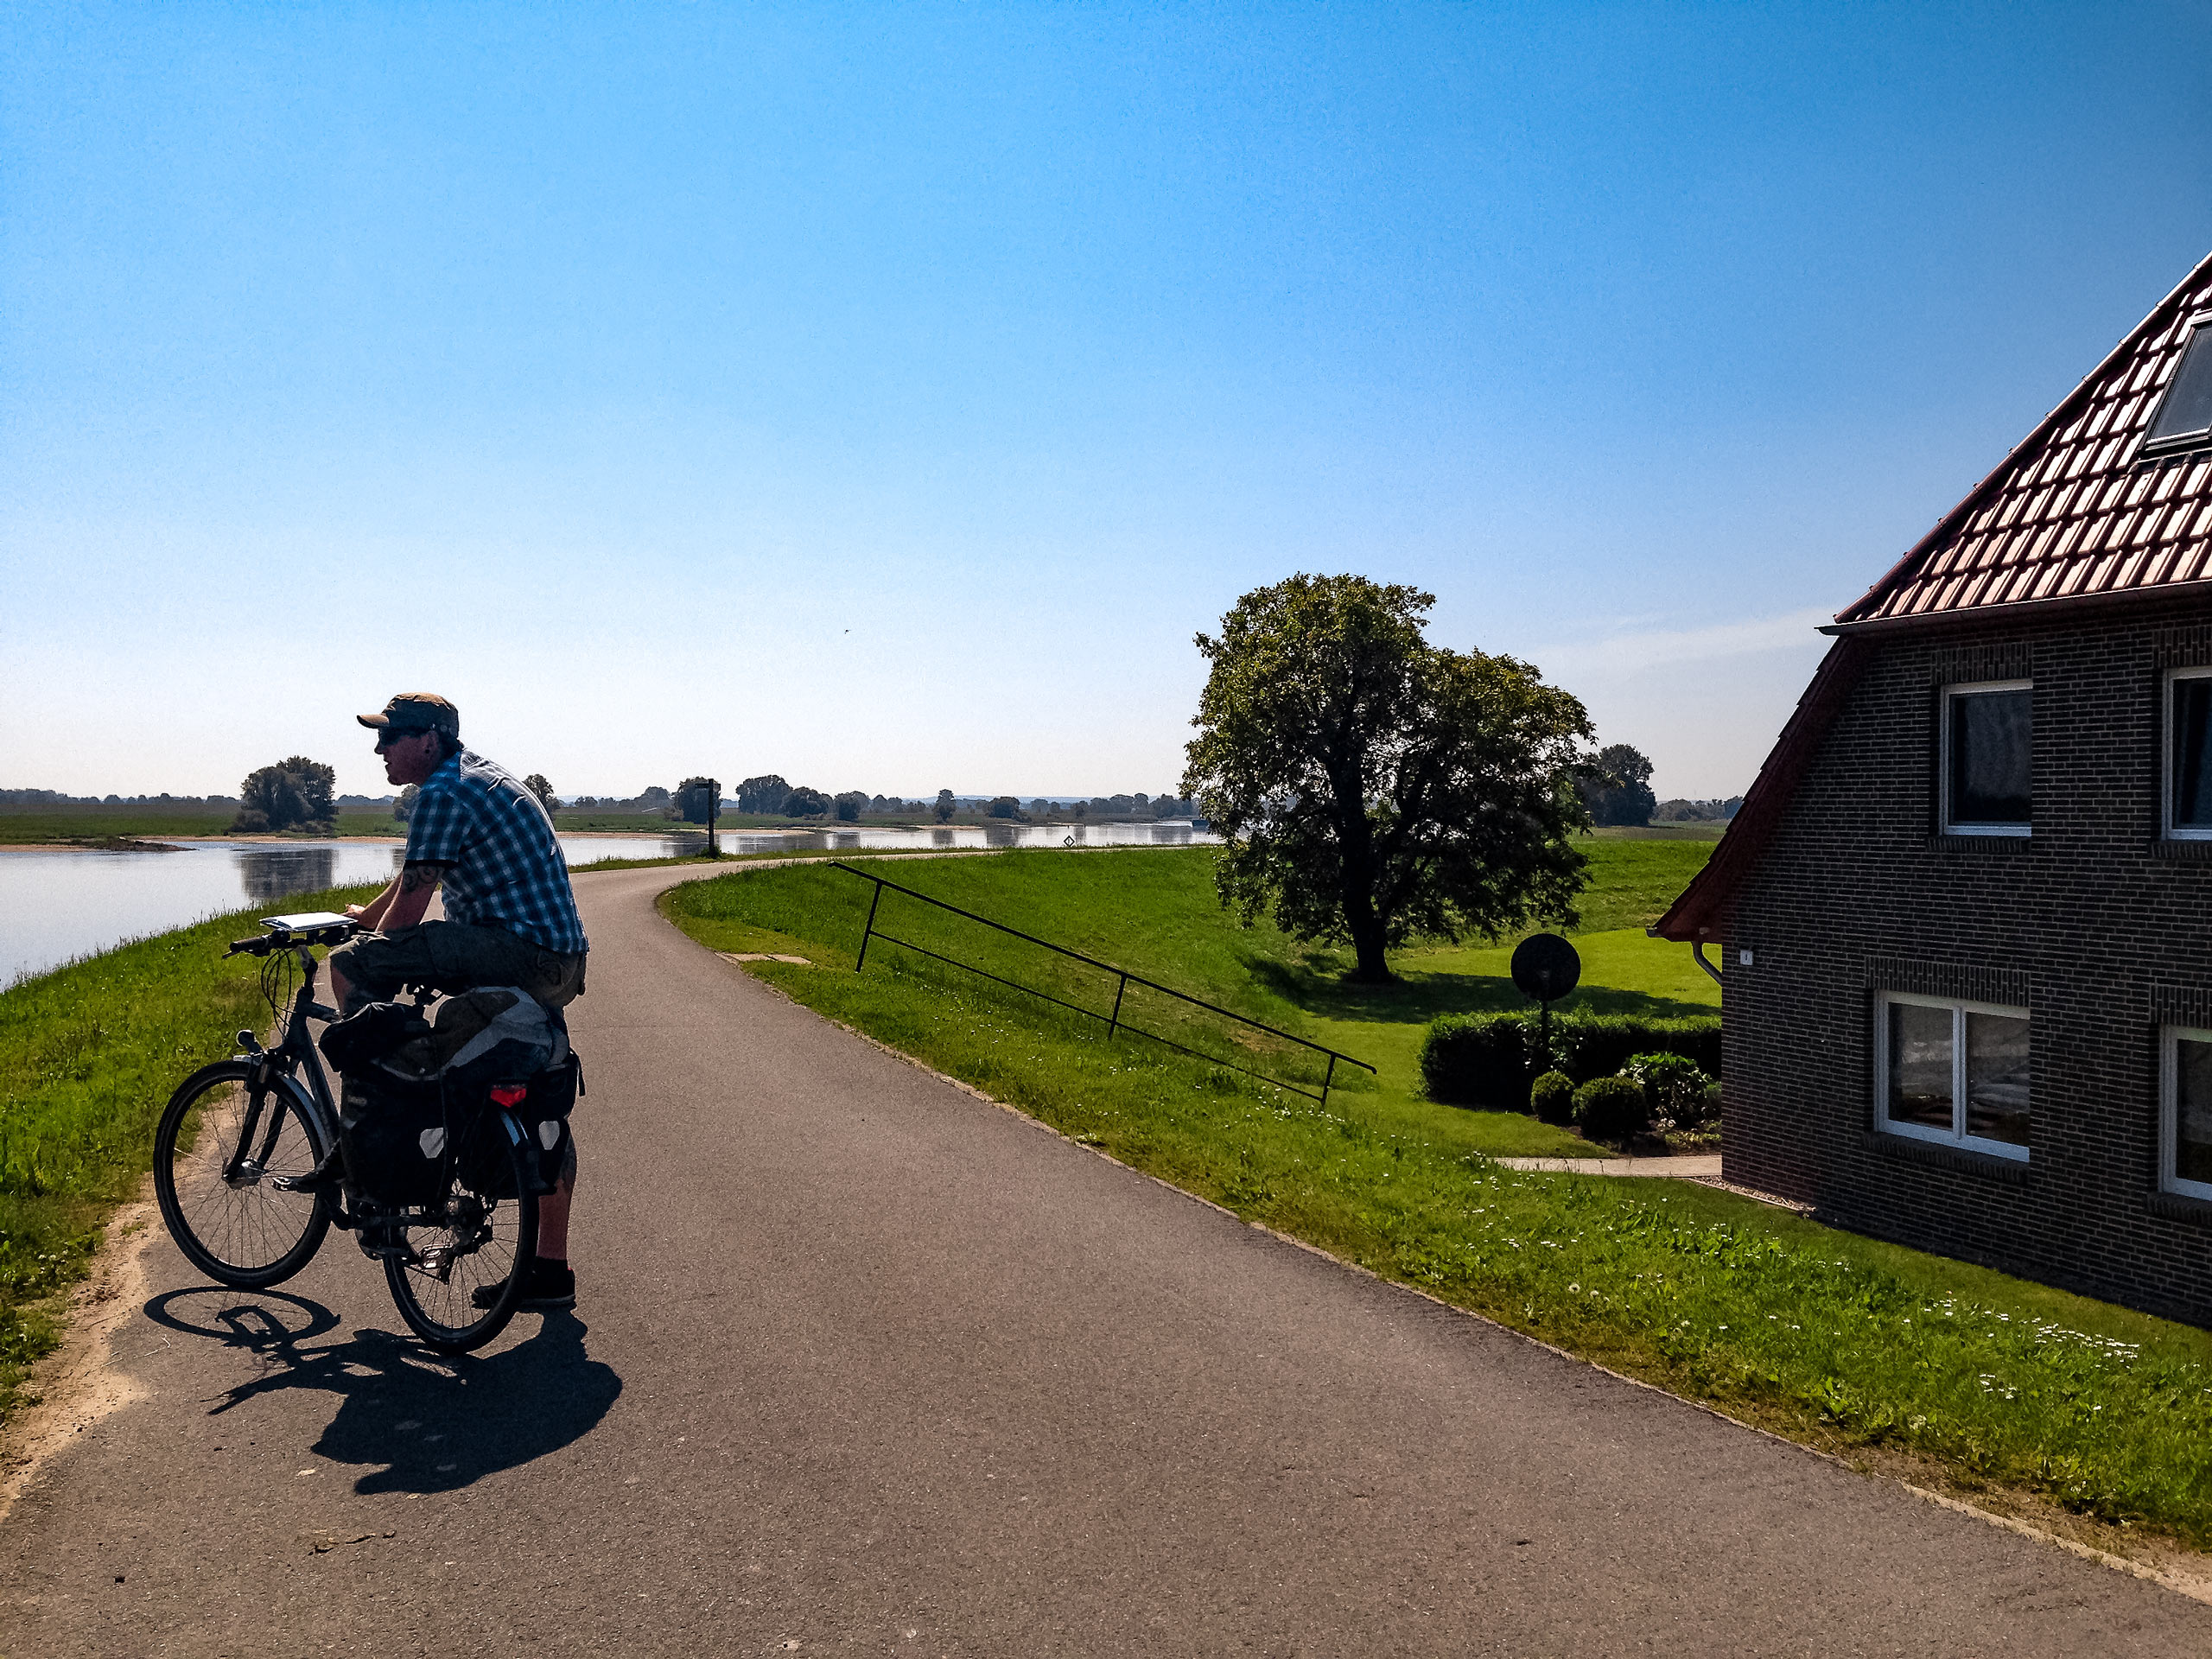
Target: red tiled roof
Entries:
(2069, 515)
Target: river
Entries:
(58, 904)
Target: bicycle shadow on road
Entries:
(428, 1422)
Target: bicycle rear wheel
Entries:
(215, 1153)
(466, 1261)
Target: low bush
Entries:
(1611, 1110)
(1599, 1045)
(1551, 1098)
(1674, 1088)
(1482, 1059)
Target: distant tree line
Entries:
(1697, 811)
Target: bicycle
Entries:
(237, 1135)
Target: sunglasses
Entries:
(392, 734)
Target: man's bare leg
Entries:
(553, 1222)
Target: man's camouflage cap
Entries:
(417, 711)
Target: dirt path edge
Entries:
(78, 1383)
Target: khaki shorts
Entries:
(454, 956)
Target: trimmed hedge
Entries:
(1482, 1059)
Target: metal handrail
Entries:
(1115, 1023)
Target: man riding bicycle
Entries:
(510, 915)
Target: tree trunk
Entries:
(1367, 947)
(1356, 841)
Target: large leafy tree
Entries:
(295, 793)
(765, 794)
(696, 796)
(1376, 788)
(1617, 787)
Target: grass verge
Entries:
(1989, 1383)
(89, 1055)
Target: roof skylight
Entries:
(2184, 418)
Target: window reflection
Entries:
(2192, 775)
(1920, 1065)
(2193, 1110)
(1997, 1077)
(1989, 757)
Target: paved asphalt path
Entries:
(866, 1364)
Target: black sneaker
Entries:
(550, 1285)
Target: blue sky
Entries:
(884, 396)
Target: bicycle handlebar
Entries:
(267, 944)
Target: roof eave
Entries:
(2021, 610)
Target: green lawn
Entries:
(1985, 1384)
(1154, 913)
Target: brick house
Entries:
(1965, 910)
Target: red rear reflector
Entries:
(508, 1094)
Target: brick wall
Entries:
(2098, 928)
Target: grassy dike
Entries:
(89, 1055)
(1988, 1384)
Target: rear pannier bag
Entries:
(396, 1138)
(416, 1097)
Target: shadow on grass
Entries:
(1419, 997)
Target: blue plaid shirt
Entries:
(503, 867)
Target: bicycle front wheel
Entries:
(218, 1147)
(465, 1260)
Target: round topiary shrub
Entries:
(1610, 1108)
(1551, 1097)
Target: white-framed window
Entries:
(1987, 744)
(2188, 783)
(1952, 1072)
(2185, 1111)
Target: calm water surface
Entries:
(58, 905)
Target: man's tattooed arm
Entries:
(417, 881)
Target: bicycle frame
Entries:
(281, 1065)
(294, 1052)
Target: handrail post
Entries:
(1328, 1078)
(868, 932)
(1115, 1024)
